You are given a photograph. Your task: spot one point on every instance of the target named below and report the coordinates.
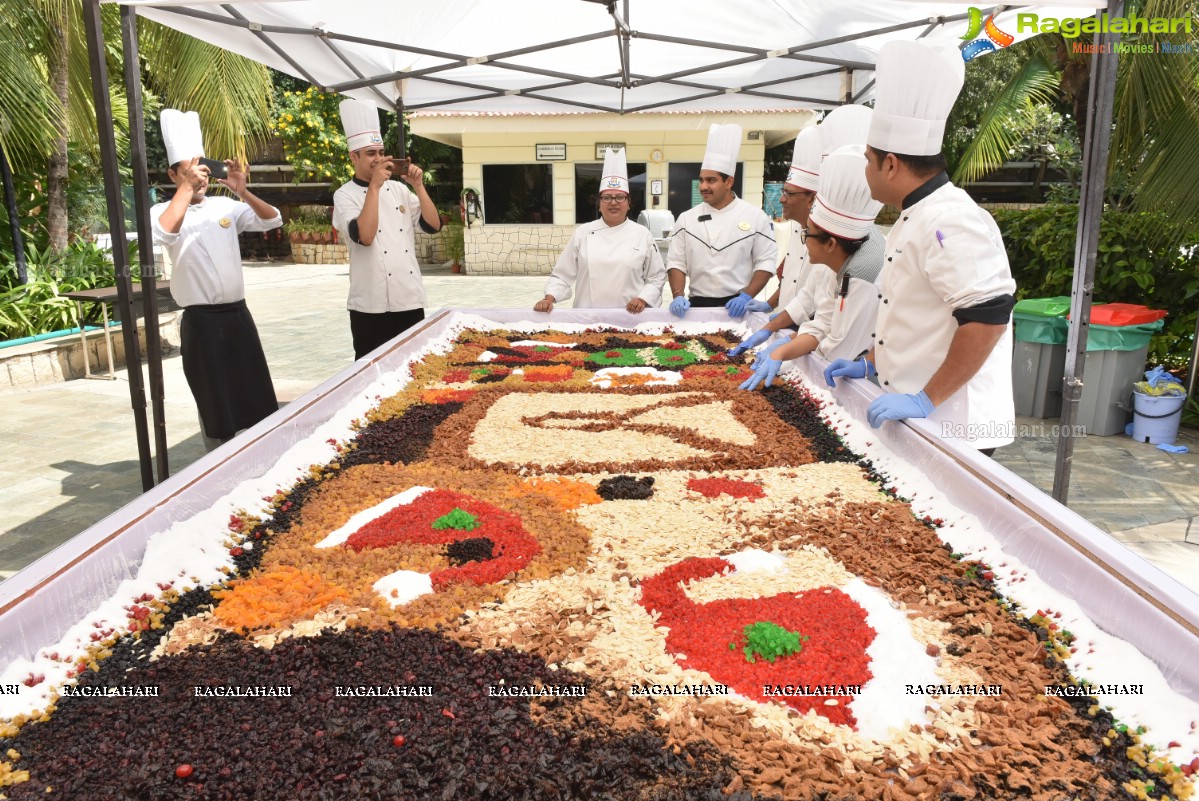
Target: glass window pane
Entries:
(518, 194)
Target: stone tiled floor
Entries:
(68, 456)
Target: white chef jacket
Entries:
(844, 325)
(721, 254)
(797, 270)
(943, 254)
(205, 255)
(384, 275)
(608, 266)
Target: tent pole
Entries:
(145, 242)
(1086, 245)
(1194, 363)
(401, 129)
(116, 222)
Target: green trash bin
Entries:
(1039, 355)
(1117, 347)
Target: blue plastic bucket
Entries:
(1155, 418)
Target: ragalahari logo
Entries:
(992, 38)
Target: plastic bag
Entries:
(1158, 382)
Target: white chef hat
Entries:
(724, 145)
(916, 84)
(843, 205)
(181, 134)
(360, 121)
(805, 160)
(616, 171)
(844, 125)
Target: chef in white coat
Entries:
(378, 218)
(612, 262)
(799, 190)
(943, 341)
(800, 283)
(847, 250)
(722, 250)
(223, 359)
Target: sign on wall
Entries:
(600, 147)
(551, 152)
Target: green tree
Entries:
(1151, 164)
(47, 115)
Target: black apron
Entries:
(226, 368)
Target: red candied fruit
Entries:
(398, 741)
(714, 487)
(183, 771)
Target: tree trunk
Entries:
(56, 182)
(14, 218)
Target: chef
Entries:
(723, 249)
(943, 342)
(799, 283)
(377, 218)
(612, 262)
(222, 355)
(798, 192)
(847, 250)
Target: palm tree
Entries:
(46, 104)
(1156, 129)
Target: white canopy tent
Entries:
(621, 56)
(607, 55)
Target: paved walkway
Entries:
(68, 456)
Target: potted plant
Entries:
(310, 224)
(455, 243)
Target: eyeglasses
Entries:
(805, 235)
(613, 198)
(800, 193)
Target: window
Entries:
(587, 177)
(684, 186)
(518, 194)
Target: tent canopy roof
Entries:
(599, 55)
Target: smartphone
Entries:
(399, 168)
(216, 169)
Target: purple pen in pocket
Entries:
(941, 239)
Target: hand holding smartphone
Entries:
(216, 169)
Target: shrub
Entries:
(38, 306)
(1143, 258)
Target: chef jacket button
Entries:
(905, 219)
(886, 383)
(385, 252)
(890, 258)
(886, 300)
(881, 342)
(880, 295)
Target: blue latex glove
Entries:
(738, 305)
(679, 306)
(765, 369)
(845, 368)
(899, 407)
(752, 341)
(758, 306)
